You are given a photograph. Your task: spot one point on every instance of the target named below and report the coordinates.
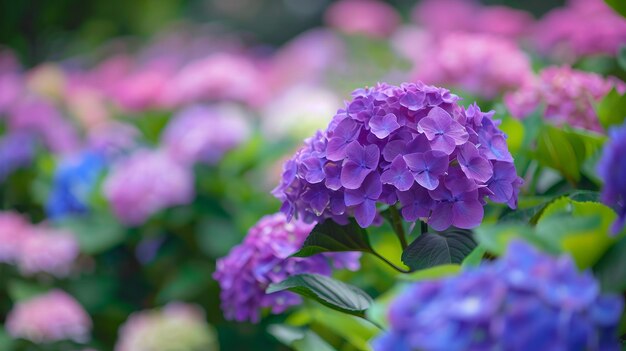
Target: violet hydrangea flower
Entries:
(48, 250)
(411, 144)
(145, 183)
(17, 150)
(569, 96)
(262, 259)
(51, 317)
(524, 301)
(611, 170)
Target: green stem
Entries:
(396, 224)
(423, 227)
(389, 263)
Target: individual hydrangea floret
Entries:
(411, 144)
(611, 168)
(262, 259)
(568, 95)
(74, 182)
(200, 133)
(524, 301)
(145, 183)
(47, 318)
(176, 326)
(480, 64)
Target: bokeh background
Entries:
(140, 141)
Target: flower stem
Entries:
(423, 227)
(401, 270)
(396, 224)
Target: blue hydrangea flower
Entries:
(524, 301)
(73, 184)
(412, 144)
(612, 168)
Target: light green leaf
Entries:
(432, 273)
(612, 109)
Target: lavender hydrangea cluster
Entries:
(262, 259)
(412, 144)
(524, 301)
(611, 170)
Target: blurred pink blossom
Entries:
(568, 95)
(201, 133)
(371, 18)
(50, 317)
(146, 182)
(583, 27)
(47, 250)
(484, 65)
(443, 16)
(13, 228)
(144, 88)
(176, 326)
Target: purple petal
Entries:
(415, 203)
(372, 186)
(495, 147)
(332, 172)
(427, 167)
(382, 126)
(354, 197)
(393, 149)
(413, 100)
(457, 182)
(398, 175)
(353, 174)
(501, 184)
(365, 213)
(441, 216)
(473, 165)
(314, 170)
(318, 199)
(467, 214)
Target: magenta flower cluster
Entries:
(524, 301)
(611, 168)
(262, 259)
(411, 144)
(568, 95)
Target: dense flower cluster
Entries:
(262, 259)
(524, 301)
(413, 144)
(50, 317)
(176, 326)
(17, 150)
(145, 183)
(444, 16)
(611, 170)
(373, 18)
(200, 133)
(561, 35)
(484, 65)
(74, 182)
(36, 248)
(568, 95)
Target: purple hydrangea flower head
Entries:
(17, 150)
(200, 133)
(569, 96)
(145, 183)
(47, 250)
(262, 259)
(526, 300)
(611, 170)
(412, 146)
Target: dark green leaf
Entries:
(329, 236)
(327, 291)
(611, 268)
(617, 5)
(433, 249)
(621, 58)
(20, 290)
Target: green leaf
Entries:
(554, 150)
(329, 236)
(437, 272)
(617, 5)
(327, 291)
(474, 258)
(188, 282)
(433, 249)
(356, 331)
(612, 109)
(496, 237)
(610, 270)
(96, 232)
(21, 290)
(299, 339)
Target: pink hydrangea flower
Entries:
(443, 16)
(50, 317)
(200, 133)
(13, 228)
(583, 27)
(145, 183)
(483, 65)
(177, 326)
(47, 250)
(569, 96)
(367, 17)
